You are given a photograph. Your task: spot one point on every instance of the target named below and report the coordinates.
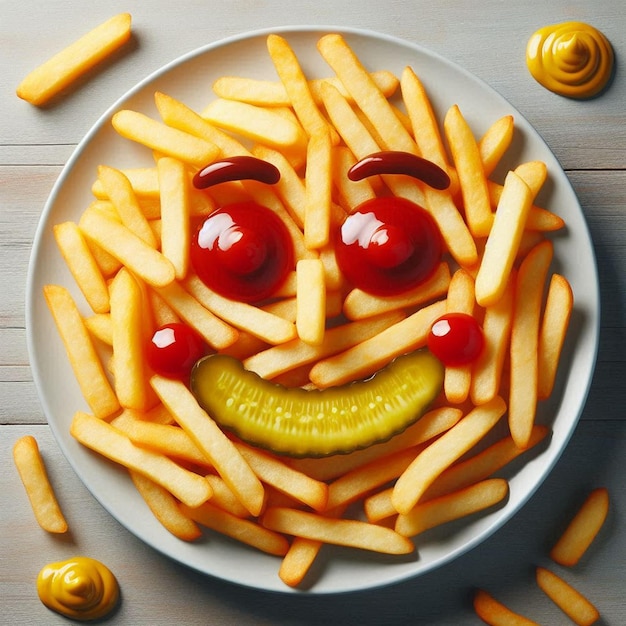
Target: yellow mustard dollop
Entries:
(572, 59)
(81, 588)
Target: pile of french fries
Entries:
(129, 255)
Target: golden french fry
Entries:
(175, 211)
(120, 192)
(523, 392)
(494, 613)
(127, 326)
(351, 533)
(164, 139)
(277, 360)
(353, 193)
(83, 266)
(469, 167)
(534, 174)
(105, 439)
(74, 61)
(440, 454)
(359, 304)
(503, 241)
(569, 600)
(244, 530)
(487, 369)
(318, 187)
(582, 529)
(297, 88)
(371, 354)
(452, 506)
(99, 325)
(84, 359)
(224, 498)
(266, 126)
(143, 180)
(207, 435)
(495, 142)
(556, 316)
(165, 508)
(266, 326)
(144, 261)
(457, 380)
(215, 331)
(358, 82)
(39, 490)
(310, 301)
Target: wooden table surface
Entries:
(488, 38)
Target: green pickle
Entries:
(313, 423)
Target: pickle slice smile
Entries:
(298, 422)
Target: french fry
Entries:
(244, 530)
(205, 433)
(99, 325)
(310, 301)
(82, 265)
(127, 326)
(487, 369)
(39, 490)
(120, 192)
(358, 82)
(105, 439)
(371, 354)
(523, 392)
(469, 167)
(144, 261)
(215, 331)
(175, 211)
(440, 454)
(84, 359)
(503, 241)
(273, 93)
(166, 140)
(254, 320)
(458, 476)
(457, 380)
(344, 532)
(318, 192)
(353, 193)
(494, 613)
(569, 600)
(265, 126)
(452, 506)
(297, 88)
(224, 498)
(556, 316)
(582, 529)
(495, 142)
(143, 180)
(67, 66)
(165, 508)
(288, 356)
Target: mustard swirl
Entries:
(81, 588)
(572, 59)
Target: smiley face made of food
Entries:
(243, 251)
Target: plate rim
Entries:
(181, 60)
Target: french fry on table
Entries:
(568, 599)
(39, 490)
(582, 529)
(494, 613)
(74, 61)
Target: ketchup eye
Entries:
(456, 339)
(174, 349)
(388, 246)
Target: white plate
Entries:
(189, 79)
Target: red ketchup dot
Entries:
(173, 350)
(242, 251)
(388, 246)
(456, 339)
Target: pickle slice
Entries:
(298, 422)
